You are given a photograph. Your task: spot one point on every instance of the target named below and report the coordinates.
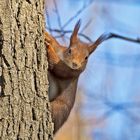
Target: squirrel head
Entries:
(76, 55)
(78, 52)
(72, 61)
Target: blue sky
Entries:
(112, 76)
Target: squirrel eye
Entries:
(69, 51)
(86, 57)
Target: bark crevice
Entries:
(24, 105)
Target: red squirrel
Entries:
(65, 66)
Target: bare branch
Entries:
(59, 20)
(70, 31)
(77, 14)
(48, 19)
(86, 26)
(58, 16)
(107, 36)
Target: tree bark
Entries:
(24, 106)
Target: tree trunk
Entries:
(24, 105)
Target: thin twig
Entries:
(48, 19)
(107, 36)
(86, 26)
(70, 31)
(58, 16)
(59, 20)
(86, 37)
(76, 15)
(102, 38)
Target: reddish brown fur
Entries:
(65, 66)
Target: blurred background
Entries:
(108, 98)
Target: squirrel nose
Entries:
(74, 64)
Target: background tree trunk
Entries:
(24, 105)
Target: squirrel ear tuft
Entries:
(73, 38)
(77, 26)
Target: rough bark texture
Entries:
(24, 107)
